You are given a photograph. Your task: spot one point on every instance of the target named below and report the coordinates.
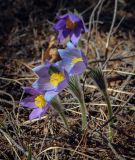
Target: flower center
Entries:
(40, 101)
(76, 60)
(70, 24)
(56, 78)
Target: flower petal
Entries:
(59, 25)
(65, 54)
(81, 25)
(42, 70)
(75, 35)
(63, 16)
(50, 95)
(73, 17)
(46, 108)
(85, 60)
(78, 68)
(36, 113)
(66, 64)
(62, 86)
(28, 102)
(43, 83)
(70, 45)
(62, 35)
(32, 91)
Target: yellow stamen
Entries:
(56, 78)
(70, 24)
(76, 60)
(40, 101)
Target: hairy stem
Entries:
(62, 115)
(110, 112)
(76, 90)
(84, 115)
(56, 104)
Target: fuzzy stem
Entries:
(76, 90)
(56, 104)
(84, 117)
(107, 99)
(62, 115)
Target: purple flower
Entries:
(73, 60)
(36, 101)
(52, 79)
(69, 25)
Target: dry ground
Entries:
(25, 29)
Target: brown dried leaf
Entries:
(51, 53)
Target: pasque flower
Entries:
(35, 101)
(52, 79)
(69, 25)
(73, 60)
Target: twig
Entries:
(110, 56)
(114, 151)
(111, 28)
(68, 149)
(125, 83)
(110, 89)
(13, 101)
(9, 79)
(120, 72)
(118, 25)
(90, 23)
(11, 141)
(98, 13)
(113, 59)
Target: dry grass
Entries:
(46, 137)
